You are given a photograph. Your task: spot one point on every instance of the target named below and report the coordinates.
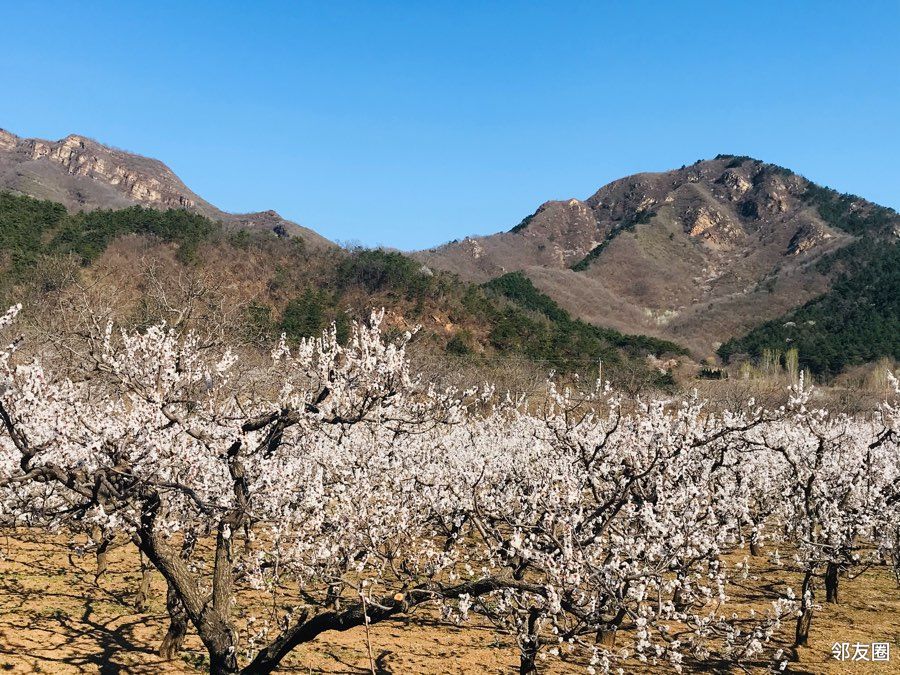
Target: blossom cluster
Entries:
(583, 522)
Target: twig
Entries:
(368, 637)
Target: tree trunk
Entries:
(804, 621)
(213, 626)
(101, 552)
(333, 597)
(247, 539)
(223, 664)
(678, 599)
(142, 602)
(219, 641)
(210, 619)
(831, 582)
(754, 542)
(528, 658)
(606, 636)
(531, 644)
(178, 622)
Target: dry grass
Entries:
(55, 619)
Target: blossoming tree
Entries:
(348, 490)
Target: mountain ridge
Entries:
(698, 255)
(84, 174)
(711, 256)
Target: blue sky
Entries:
(411, 123)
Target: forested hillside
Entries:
(281, 285)
(534, 323)
(299, 290)
(31, 228)
(858, 319)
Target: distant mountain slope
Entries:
(83, 174)
(728, 256)
(567, 340)
(260, 285)
(858, 319)
(698, 255)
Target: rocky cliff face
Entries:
(154, 185)
(696, 255)
(84, 174)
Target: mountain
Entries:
(73, 207)
(729, 257)
(699, 255)
(82, 174)
(141, 265)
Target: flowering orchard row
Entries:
(335, 476)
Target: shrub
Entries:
(304, 316)
(378, 270)
(460, 344)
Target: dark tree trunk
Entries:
(606, 636)
(219, 641)
(178, 622)
(223, 664)
(210, 619)
(754, 542)
(142, 602)
(247, 540)
(831, 582)
(529, 650)
(102, 560)
(678, 599)
(101, 552)
(528, 658)
(333, 597)
(178, 618)
(804, 621)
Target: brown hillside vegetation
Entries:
(83, 174)
(702, 256)
(140, 266)
(696, 255)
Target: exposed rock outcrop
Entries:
(715, 248)
(713, 227)
(807, 237)
(83, 174)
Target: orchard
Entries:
(349, 490)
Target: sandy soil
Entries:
(55, 619)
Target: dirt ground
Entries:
(55, 619)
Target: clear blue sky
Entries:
(408, 124)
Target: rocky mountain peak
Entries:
(695, 254)
(83, 174)
(142, 180)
